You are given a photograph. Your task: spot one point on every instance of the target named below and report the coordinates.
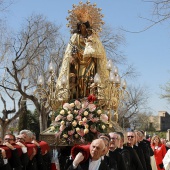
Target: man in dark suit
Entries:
(14, 161)
(146, 149)
(94, 160)
(131, 140)
(117, 159)
(3, 161)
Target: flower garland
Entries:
(79, 122)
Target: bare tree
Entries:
(10, 115)
(30, 57)
(166, 91)
(112, 40)
(136, 102)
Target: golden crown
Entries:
(83, 13)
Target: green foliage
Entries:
(160, 134)
(29, 120)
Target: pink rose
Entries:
(67, 106)
(59, 117)
(90, 116)
(84, 104)
(104, 118)
(71, 132)
(95, 119)
(70, 117)
(62, 127)
(92, 107)
(78, 117)
(77, 104)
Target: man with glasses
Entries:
(131, 140)
(114, 154)
(14, 161)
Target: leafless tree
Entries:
(112, 40)
(166, 91)
(30, 56)
(135, 103)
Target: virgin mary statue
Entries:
(85, 55)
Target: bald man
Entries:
(94, 162)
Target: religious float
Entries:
(85, 98)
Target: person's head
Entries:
(97, 149)
(28, 135)
(163, 141)
(121, 139)
(114, 140)
(20, 138)
(106, 140)
(139, 136)
(131, 138)
(155, 140)
(168, 144)
(10, 138)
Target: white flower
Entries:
(74, 123)
(103, 127)
(84, 119)
(62, 123)
(99, 112)
(77, 129)
(71, 104)
(76, 111)
(86, 131)
(86, 113)
(69, 112)
(62, 112)
(70, 117)
(80, 122)
(86, 126)
(65, 135)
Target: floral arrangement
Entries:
(79, 122)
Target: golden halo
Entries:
(83, 13)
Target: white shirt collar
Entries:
(94, 165)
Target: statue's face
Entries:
(83, 28)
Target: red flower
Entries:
(91, 98)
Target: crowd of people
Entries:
(118, 151)
(113, 151)
(24, 152)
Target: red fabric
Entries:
(8, 151)
(30, 147)
(53, 167)
(44, 146)
(84, 149)
(159, 154)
